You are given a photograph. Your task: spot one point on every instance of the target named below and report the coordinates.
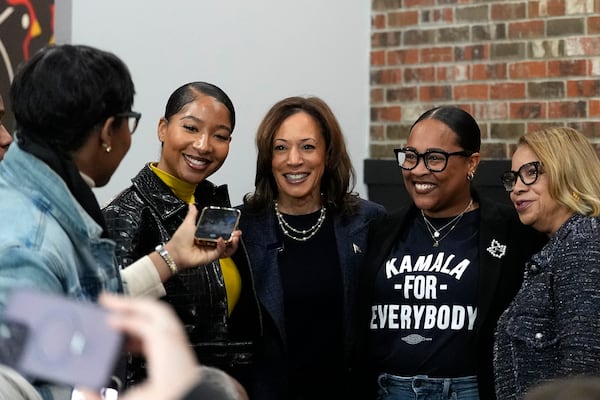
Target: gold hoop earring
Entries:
(470, 176)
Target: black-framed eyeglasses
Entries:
(435, 160)
(528, 173)
(133, 118)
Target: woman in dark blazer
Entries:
(306, 235)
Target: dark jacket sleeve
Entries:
(123, 220)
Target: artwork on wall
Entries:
(25, 27)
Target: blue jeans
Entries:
(421, 387)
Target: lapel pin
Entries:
(496, 249)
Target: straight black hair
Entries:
(460, 121)
(187, 93)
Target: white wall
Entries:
(258, 51)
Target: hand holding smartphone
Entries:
(216, 222)
(58, 339)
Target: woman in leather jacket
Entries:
(216, 302)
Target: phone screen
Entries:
(216, 222)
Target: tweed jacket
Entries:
(264, 243)
(552, 327)
(148, 213)
(499, 280)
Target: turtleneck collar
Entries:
(182, 189)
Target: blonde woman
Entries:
(552, 327)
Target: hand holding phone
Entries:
(59, 339)
(216, 222)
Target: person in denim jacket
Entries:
(72, 107)
(306, 235)
(552, 327)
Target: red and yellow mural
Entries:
(25, 27)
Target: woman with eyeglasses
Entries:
(552, 327)
(440, 272)
(216, 302)
(72, 105)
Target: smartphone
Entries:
(59, 339)
(216, 222)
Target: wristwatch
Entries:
(162, 251)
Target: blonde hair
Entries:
(572, 165)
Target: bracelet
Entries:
(160, 249)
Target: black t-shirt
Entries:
(313, 302)
(424, 305)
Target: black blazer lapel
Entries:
(493, 234)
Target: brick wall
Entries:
(514, 65)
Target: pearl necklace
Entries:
(436, 232)
(300, 235)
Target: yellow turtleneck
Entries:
(182, 189)
(185, 191)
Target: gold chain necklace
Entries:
(436, 233)
(300, 235)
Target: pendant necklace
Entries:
(436, 233)
(300, 235)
